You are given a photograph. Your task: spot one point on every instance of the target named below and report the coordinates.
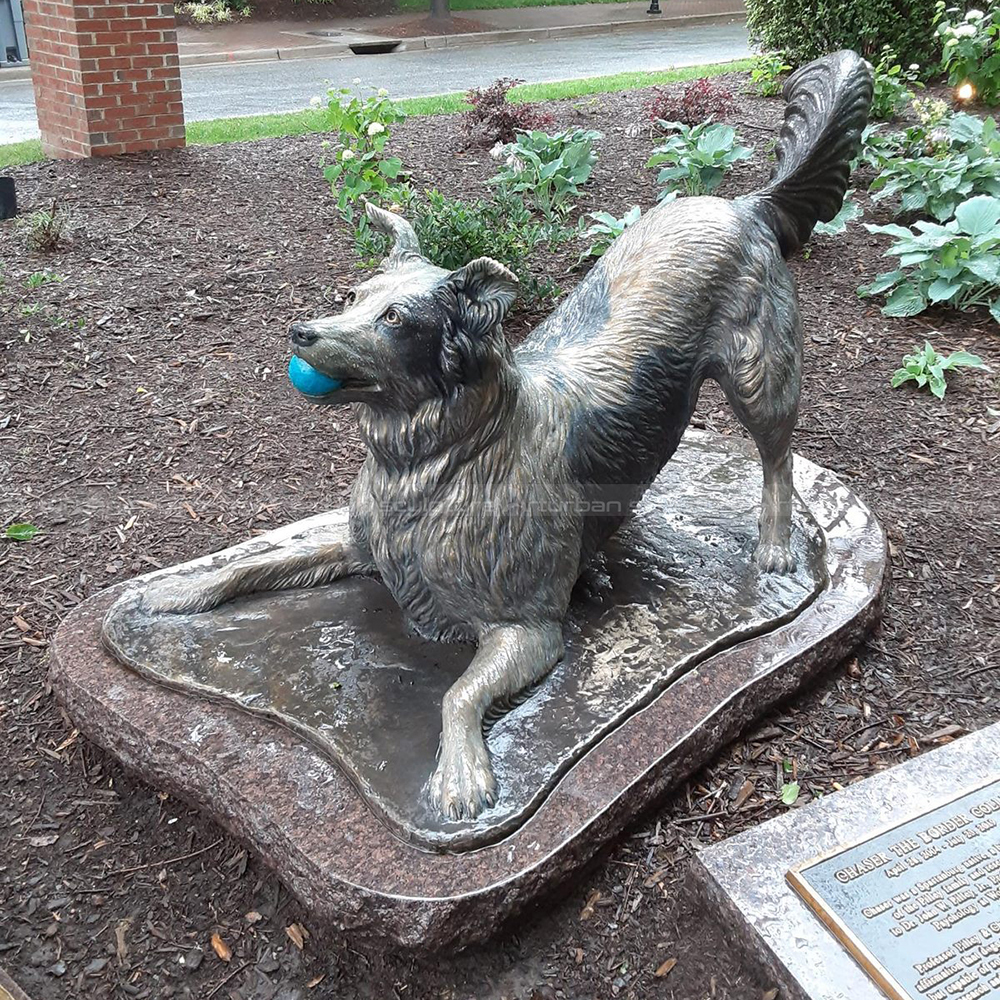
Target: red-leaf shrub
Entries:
(701, 100)
(492, 118)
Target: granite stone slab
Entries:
(289, 801)
(742, 881)
(338, 665)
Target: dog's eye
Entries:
(392, 317)
(351, 297)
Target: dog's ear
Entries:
(397, 228)
(485, 290)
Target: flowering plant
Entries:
(970, 46)
(892, 85)
(359, 165)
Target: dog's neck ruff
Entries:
(455, 428)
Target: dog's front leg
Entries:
(509, 658)
(317, 556)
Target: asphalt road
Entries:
(233, 89)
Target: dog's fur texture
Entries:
(493, 476)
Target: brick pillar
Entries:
(106, 76)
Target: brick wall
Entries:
(106, 76)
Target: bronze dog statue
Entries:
(494, 475)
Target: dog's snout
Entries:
(303, 335)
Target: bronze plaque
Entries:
(918, 905)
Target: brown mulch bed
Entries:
(145, 419)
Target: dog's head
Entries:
(411, 333)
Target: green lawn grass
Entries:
(422, 5)
(311, 120)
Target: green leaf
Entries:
(21, 532)
(900, 376)
(963, 359)
(995, 309)
(941, 290)
(790, 793)
(937, 385)
(904, 301)
(978, 215)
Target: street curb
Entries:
(339, 50)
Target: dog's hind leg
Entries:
(509, 658)
(317, 556)
(762, 376)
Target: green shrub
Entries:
(957, 264)
(927, 367)
(964, 162)
(452, 233)
(807, 29)
(697, 158)
(767, 73)
(970, 48)
(360, 166)
(605, 229)
(547, 170)
(216, 11)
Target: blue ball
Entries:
(308, 380)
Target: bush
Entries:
(971, 48)
(697, 158)
(452, 233)
(700, 101)
(216, 11)
(807, 29)
(892, 85)
(963, 161)
(957, 264)
(360, 167)
(494, 118)
(767, 73)
(547, 170)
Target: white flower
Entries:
(375, 128)
(347, 154)
(974, 15)
(497, 151)
(914, 67)
(356, 80)
(382, 92)
(316, 102)
(965, 30)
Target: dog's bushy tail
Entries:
(828, 103)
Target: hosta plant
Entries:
(605, 229)
(697, 158)
(956, 264)
(934, 185)
(927, 368)
(547, 170)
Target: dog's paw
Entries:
(462, 785)
(178, 595)
(774, 558)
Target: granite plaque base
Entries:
(289, 791)
(900, 869)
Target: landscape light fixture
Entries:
(8, 198)
(966, 92)
(654, 7)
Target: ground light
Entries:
(966, 92)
